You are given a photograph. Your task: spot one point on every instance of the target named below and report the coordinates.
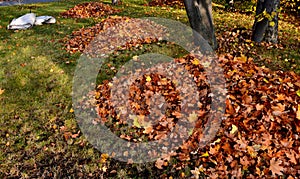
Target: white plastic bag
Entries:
(28, 20)
(40, 20)
(24, 22)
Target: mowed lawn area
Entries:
(39, 133)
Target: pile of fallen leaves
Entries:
(141, 91)
(81, 39)
(259, 137)
(172, 3)
(89, 9)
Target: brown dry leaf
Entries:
(229, 107)
(291, 155)
(281, 97)
(172, 3)
(275, 167)
(148, 130)
(67, 135)
(81, 39)
(130, 161)
(1, 91)
(160, 135)
(250, 113)
(227, 147)
(242, 58)
(259, 107)
(159, 163)
(75, 135)
(298, 112)
(89, 9)
(184, 157)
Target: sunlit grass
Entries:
(36, 75)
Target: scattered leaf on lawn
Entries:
(1, 91)
(159, 163)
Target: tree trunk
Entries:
(200, 16)
(265, 27)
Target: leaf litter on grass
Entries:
(260, 136)
(80, 39)
(261, 125)
(172, 3)
(89, 9)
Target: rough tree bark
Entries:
(200, 16)
(265, 27)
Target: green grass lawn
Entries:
(36, 84)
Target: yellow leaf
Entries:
(273, 14)
(265, 12)
(251, 151)
(196, 62)
(265, 80)
(205, 154)
(242, 58)
(233, 129)
(272, 23)
(135, 58)
(297, 92)
(298, 112)
(71, 110)
(104, 168)
(135, 120)
(216, 141)
(191, 131)
(104, 157)
(148, 78)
